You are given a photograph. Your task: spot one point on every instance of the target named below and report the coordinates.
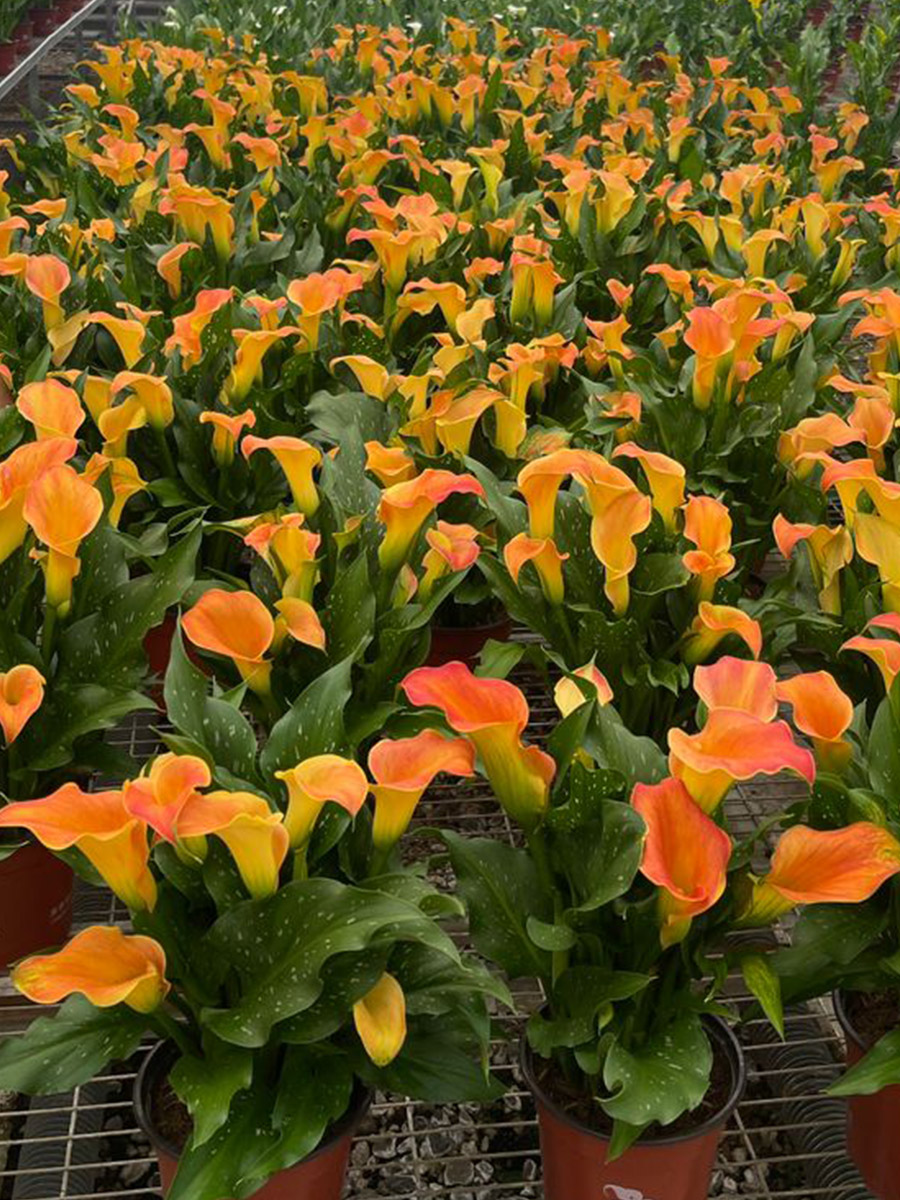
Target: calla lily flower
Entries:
(715, 622)
(153, 394)
(255, 836)
(21, 695)
(709, 335)
(567, 695)
(169, 266)
(102, 963)
(389, 464)
(686, 855)
(823, 712)
(707, 524)
(884, 652)
(52, 408)
(236, 625)
(404, 508)
(188, 328)
(665, 477)
(158, 797)
(733, 746)
(493, 714)
(312, 784)
(301, 621)
(289, 549)
(380, 1020)
(812, 866)
(450, 548)
(127, 333)
(878, 542)
(298, 459)
(618, 516)
(17, 473)
(253, 345)
(227, 432)
(830, 550)
(47, 277)
(546, 559)
(62, 510)
(736, 683)
(539, 482)
(403, 769)
(196, 210)
(99, 825)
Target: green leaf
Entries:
(208, 1085)
(765, 985)
(349, 615)
(884, 754)
(878, 1069)
(58, 1053)
(70, 714)
(666, 1076)
(550, 937)
(655, 573)
(501, 889)
(441, 1062)
(313, 725)
(281, 972)
(611, 744)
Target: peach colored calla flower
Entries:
(546, 559)
(17, 473)
(227, 432)
(715, 622)
(539, 482)
(737, 683)
(403, 769)
(158, 797)
(127, 333)
(47, 277)
(290, 550)
(404, 508)
(665, 477)
(707, 523)
(255, 836)
(830, 550)
(884, 652)
(493, 714)
(389, 464)
(450, 548)
(312, 784)
(298, 459)
(236, 625)
(709, 335)
(62, 510)
(102, 963)
(153, 394)
(823, 712)
(568, 695)
(52, 408)
(301, 621)
(732, 746)
(99, 825)
(686, 855)
(169, 266)
(21, 695)
(187, 329)
(380, 1020)
(878, 542)
(812, 866)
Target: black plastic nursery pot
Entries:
(319, 1176)
(35, 902)
(666, 1167)
(873, 1122)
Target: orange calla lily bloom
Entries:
(62, 510)
(227, 432)
(403, 769)
(707, 524)
(709, 335)
(665, 477)
(823, 712)
(17, 473)
(884, 652)
(52, 408)
(812, 866)
(196, 210)
(493, 714)
(619, 513)
(126, 332)
(715, 622)
(737, 683)
(567, 695)
(686, 855)
(380, 1020)
(153, 394)
(389, 464)
(188, 328)
(830, 550)
(450, 548)
(47, 277)
(312, 784)
(158, 797)
(238, 626)
(539, 482)
(97, 824)
(255, 836)
(318, 294)
(878, 542)
(290, 552)
(404, 508)
(253, 345)
(169, 266)
(21, 695)
(301, 621)
(297, 459)
(102, 963)
(546, 559)
(731, 746)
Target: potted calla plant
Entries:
(284, 961)
(77, 598)
(628, 881)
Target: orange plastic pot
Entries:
(873, 1122)
(35, 902)
(319, 1176)
(451, 644)
(668, 1167)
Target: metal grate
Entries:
(785, 1141)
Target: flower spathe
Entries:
(238, 626)
(884, 652)
(492, 714)
(21, 695)
(736, 683)
(715, 622)
(823, 712)
(62, 509)
(568, 695)
(315, 782)
(380, 1020)
(99, 825)
(707, 523)
(403, 769)
(686, 855)
(255, 836)
(404, 508)
(159, 796)
(102, 963)
(298, 459)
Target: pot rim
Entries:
(159, 1060)
(714, 1026)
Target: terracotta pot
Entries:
(8, 57)
(449, 644)
(23, 37)
(35, 902)
(45, 20)
(668, 1167)
(872, 1122)
(319, 1176)
(158, 644)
